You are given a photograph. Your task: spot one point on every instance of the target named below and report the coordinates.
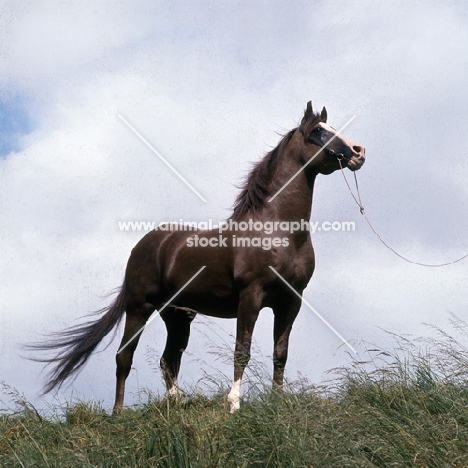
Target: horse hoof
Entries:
(234, 403)
(235, 406)
(174, 392)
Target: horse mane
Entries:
(254, 189)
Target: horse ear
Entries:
(323, 115)
(308, 113)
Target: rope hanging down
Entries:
(361, 208)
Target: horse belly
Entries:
(212, 291)
(205, 304)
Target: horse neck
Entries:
(294, 203)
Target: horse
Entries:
(234, 272)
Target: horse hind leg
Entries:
(136, 318)
(178, 321)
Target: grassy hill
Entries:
(405, 409)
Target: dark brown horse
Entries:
(237, 280)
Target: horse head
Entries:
(324, 148)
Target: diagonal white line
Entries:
(314, 311)
(161, 309)
(311, 159)
(168, 164)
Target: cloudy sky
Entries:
(211, 85)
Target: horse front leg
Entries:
(284, 318)
(248, 310)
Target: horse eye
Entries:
(317, 131)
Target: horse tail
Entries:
(74, 345)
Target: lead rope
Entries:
(361, 208)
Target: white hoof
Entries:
(234, 406)
(234, 397)
(174, 391)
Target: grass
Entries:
(408, 408)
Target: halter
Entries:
(326, 150)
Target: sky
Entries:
(212, 86)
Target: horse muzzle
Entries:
(356, 162)
(353, 158)
(357, 158)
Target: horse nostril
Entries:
(358, 149)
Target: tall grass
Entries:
(405, 408)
